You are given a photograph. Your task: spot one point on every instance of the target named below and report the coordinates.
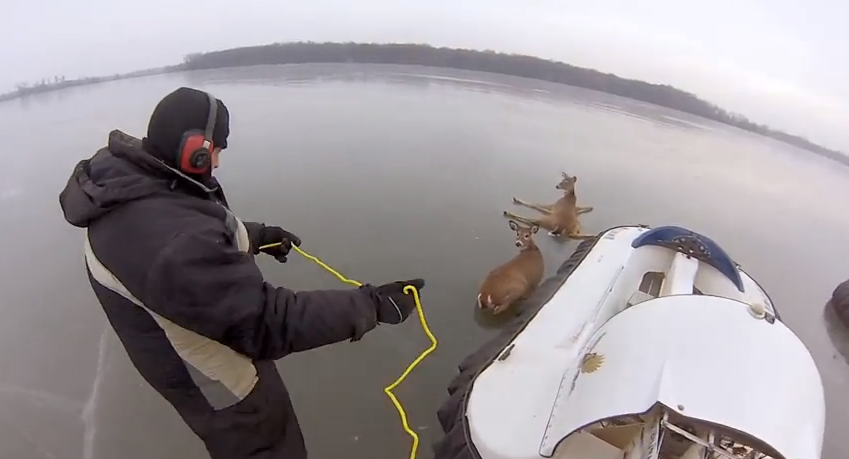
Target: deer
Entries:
(560, 218)
(516, 278)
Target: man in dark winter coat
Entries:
(174, 271)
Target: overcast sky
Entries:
(780, 62)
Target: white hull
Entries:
(649, 340)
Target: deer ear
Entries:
(565, 175)
(534, 228)
(574, 179)
(514, 226)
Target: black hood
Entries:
(180, 111)
(117, 174)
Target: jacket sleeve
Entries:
(202, 283)
(254, 229)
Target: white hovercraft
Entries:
(647, 344)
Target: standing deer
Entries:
(560, 218)
(518, 277)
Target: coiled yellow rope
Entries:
(433, 343)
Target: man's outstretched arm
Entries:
(201, 283)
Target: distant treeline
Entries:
(485, 61)
(45, 85)
(493, 62)
(60, 82)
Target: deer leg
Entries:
(575, 232)
(540, 207)
(580, 235)
(505, 303)
(519, 218)
(583, 210)
(508, 303)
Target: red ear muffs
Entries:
(195, 153)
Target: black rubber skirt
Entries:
(839, 302)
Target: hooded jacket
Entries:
(173, 269)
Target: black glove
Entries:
(282, 239)
(393, 304)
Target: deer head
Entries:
(524, 235)
(567, 184)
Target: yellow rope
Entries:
(388, 389)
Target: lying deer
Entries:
(518, 277)
(560, 218)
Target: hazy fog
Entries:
(780, 62)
